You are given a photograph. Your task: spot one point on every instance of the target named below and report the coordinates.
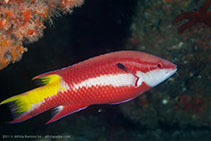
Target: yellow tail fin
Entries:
(20, 105)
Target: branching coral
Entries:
(22, 21)
(201, 16)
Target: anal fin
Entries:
(62, 111)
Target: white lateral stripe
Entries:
(116, 80)
(64, 86)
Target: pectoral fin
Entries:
(62, 111)
(124, 68)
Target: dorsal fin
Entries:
(47, 79)
(46, 74)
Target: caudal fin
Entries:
(19, 108)
(32, 103)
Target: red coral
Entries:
(22, 20)
(201, 16)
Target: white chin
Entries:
(154, 77)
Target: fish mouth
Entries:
(167, 73)
(170, 72)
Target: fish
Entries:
(112, 78)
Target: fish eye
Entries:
(159, 65)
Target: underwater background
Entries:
(178, 109)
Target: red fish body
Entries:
(106, 79)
